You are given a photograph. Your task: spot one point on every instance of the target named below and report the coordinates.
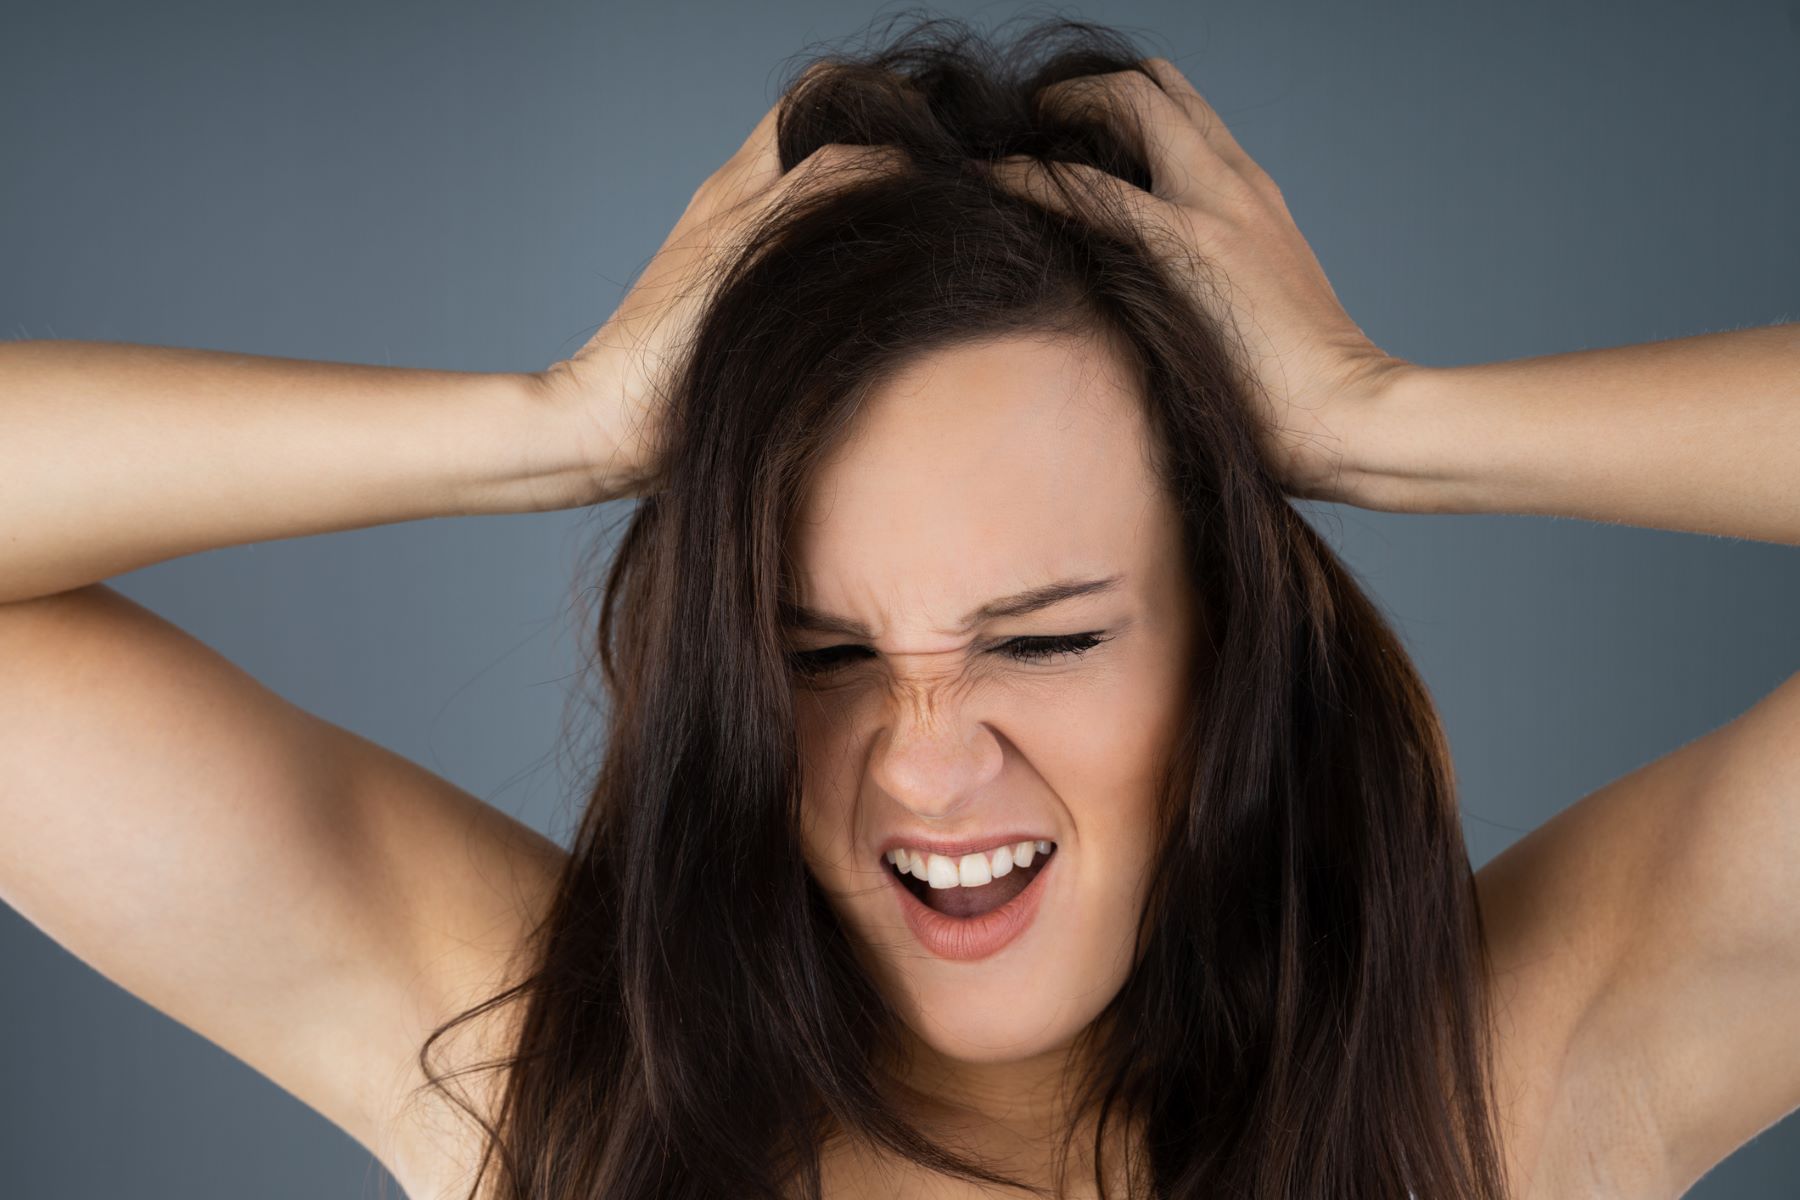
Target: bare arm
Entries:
(1700, 434)
(115, 456)
(306, 899)
(1669, 896)
(296, 894)
(1657, 916)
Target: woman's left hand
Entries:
(1314, 369)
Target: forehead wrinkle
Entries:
(1033, 599)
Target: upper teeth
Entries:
(971, 870)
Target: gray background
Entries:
(469, 187)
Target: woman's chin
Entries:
(987, 1031)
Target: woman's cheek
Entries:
(1097, 729)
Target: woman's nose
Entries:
(934, 761)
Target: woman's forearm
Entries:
(114, 456)
(1700, 434)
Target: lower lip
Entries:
(965, 939)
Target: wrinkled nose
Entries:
(934, 761)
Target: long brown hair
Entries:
(1307, 1017)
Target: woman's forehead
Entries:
(982, 470)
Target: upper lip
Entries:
(961, 846)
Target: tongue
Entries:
(974, 901)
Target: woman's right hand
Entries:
(615, 386)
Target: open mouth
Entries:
(968, 902)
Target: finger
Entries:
(1094, 197)
(837, 164)
(1072, 189)
(1207, 120)
(757, 163)
(1131, 100)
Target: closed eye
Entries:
(1021, 649)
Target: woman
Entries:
(1005, 785)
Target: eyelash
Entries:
(1022, 649)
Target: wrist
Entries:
(1398, 443)
(599, 435)
(523, 452)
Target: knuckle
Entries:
(1260, 181)
(1137, 84)
(1103, 88)
(830, 156)
(1087, 173)
(1096, 183)
(710, 189)
(884, 155)
(833, 159)
(1080, 88)
(1237, 187)
(851, 152)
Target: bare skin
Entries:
(981, 473)
(315, 904)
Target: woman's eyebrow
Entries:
(800, 617)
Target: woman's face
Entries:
(981, 473)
